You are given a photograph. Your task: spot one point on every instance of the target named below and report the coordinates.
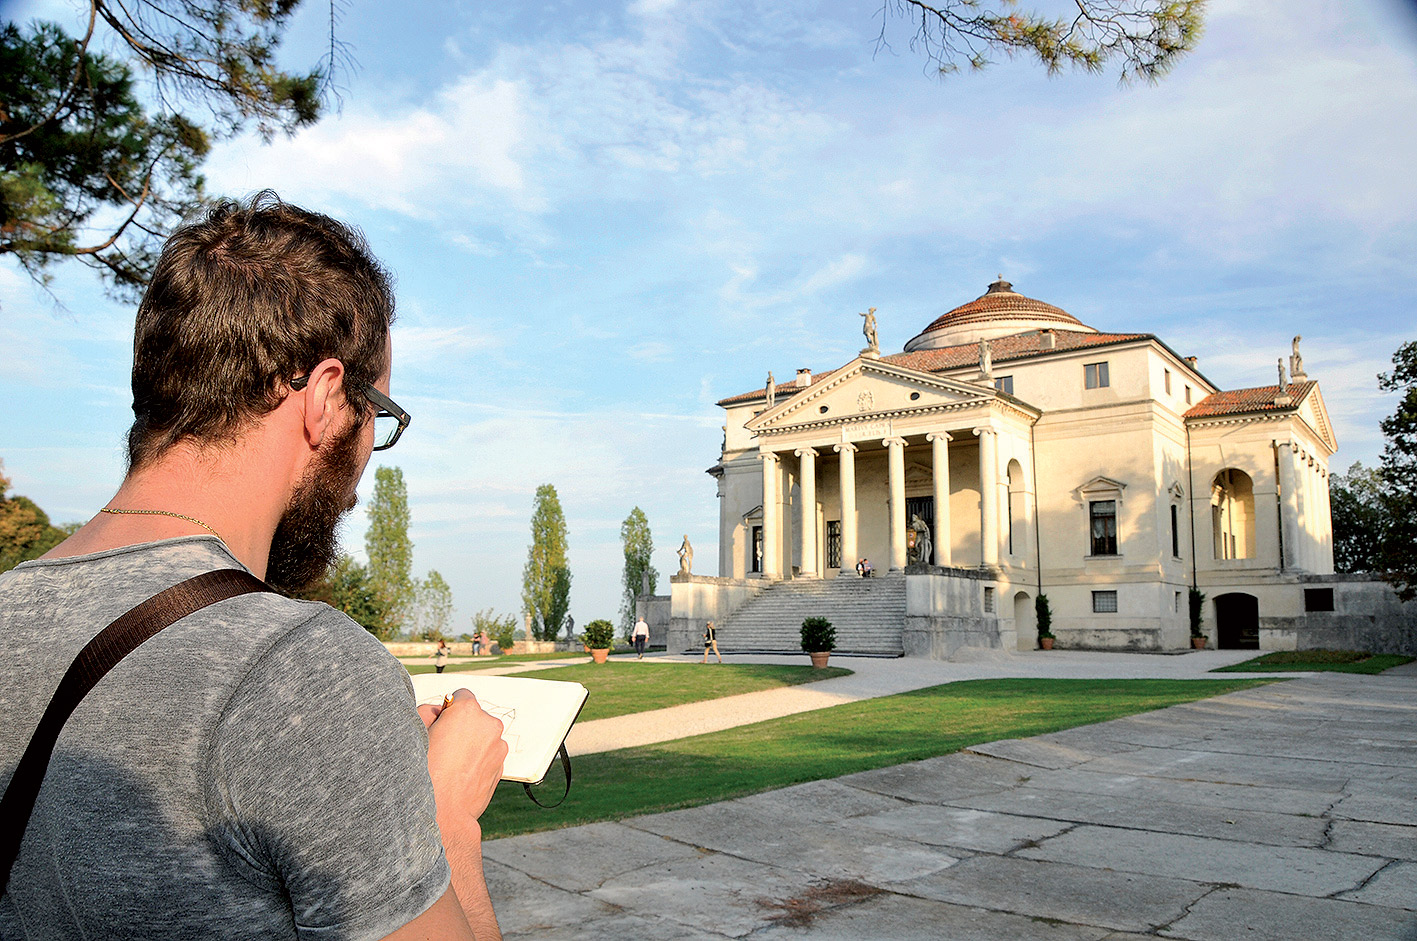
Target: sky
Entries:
(604, 217)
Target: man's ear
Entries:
(324, 399)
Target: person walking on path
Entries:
(710, 643)
(640, 636)
(440, 656)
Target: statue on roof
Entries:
(772, 390)
(686, 557)
(1296, 361)
(869, 328)
(986, 359)
(1283, 383)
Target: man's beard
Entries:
(304, 543)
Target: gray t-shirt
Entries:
(256, 770)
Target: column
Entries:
(1325, 523)
(848, 507)
(988, 495)
(941, 465)
(772, 536)
(1288, 504)
(896, 468)
(808, 470)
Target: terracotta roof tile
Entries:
(1242, 401)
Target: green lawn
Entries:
(619, 688)
(1329, 661)
(831, 742)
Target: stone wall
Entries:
(944, 612)
(655, 609)
(1366, 615)
(695, 599)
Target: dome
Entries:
(998, 312)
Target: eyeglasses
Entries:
(389, 421)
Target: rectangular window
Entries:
(1175, 531)
(1318, 599)
(1176, 605)
(833, 544)
(1188, 395)
(1095, 375)
(988, 600)
(1104, 527)
(757, 559)
(1004, 384)
(1104, 602)
(1167, 373)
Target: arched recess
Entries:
(1016, 535)
(1237, 621)
(1232, 513)
(1024, 621)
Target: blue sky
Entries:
(604, 217)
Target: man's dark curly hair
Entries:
(243, 300)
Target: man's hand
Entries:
(465, 756)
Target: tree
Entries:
(546, 579)
(639, 550)
(25, 530)
(94, 169)
(389, 549)
(500, 627)
(1360, 519)
(435, 607)
(1147, 37)
(1399, 473)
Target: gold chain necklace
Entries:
(190, 519)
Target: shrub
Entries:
(599, 635)
(1044, 613)
(1197, 600)
(818, 635)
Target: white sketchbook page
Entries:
(536, 714)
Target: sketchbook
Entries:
(537, 715)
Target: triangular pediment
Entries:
(1315, 415)
(869, 390)
(1100, 488)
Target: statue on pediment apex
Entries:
(1296, 362)
(986, 359)
(869, 329)
(772, 390)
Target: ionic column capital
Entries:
(895, 442)
(939, 436)
(983, 430)
(806, 452)
(845, 447)
(765, 455)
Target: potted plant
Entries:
(818, 640)
(598, 636)
(1197, 602)
(1044, 612)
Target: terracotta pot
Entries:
(1199, 642)
(819, 658)
(1046, 643)
(599, 654)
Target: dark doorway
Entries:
(833, 544)
(924, 507)
(1237, 621)
(757, 559)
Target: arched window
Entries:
(1018, 539)
(1232, 512)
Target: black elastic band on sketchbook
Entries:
(566, 765)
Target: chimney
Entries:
(804, 378)
(1048, 339)
(1190, 361)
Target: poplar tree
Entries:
(546, 579)
(389, 549)
(639, 550)
(1399, 473)
(435, 607)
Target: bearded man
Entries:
(258, 768)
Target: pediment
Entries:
(1315, 415)
(868, 390)
(1099, 488)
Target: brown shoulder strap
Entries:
(100, 655)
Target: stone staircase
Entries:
(868, 614)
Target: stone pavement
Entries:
(1285, 812)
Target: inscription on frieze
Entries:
(865, 431)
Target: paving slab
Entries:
(1226, 823)
(1394, 886)
(578, 859)
(900, 918)
(939, 780)
(1279, 868)
(1039, 752)
(1074, 894)
(1228, 914)
(1202, 793)
(1373, 839)
(1227, 768)
(1376, 808)
(964, 828)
